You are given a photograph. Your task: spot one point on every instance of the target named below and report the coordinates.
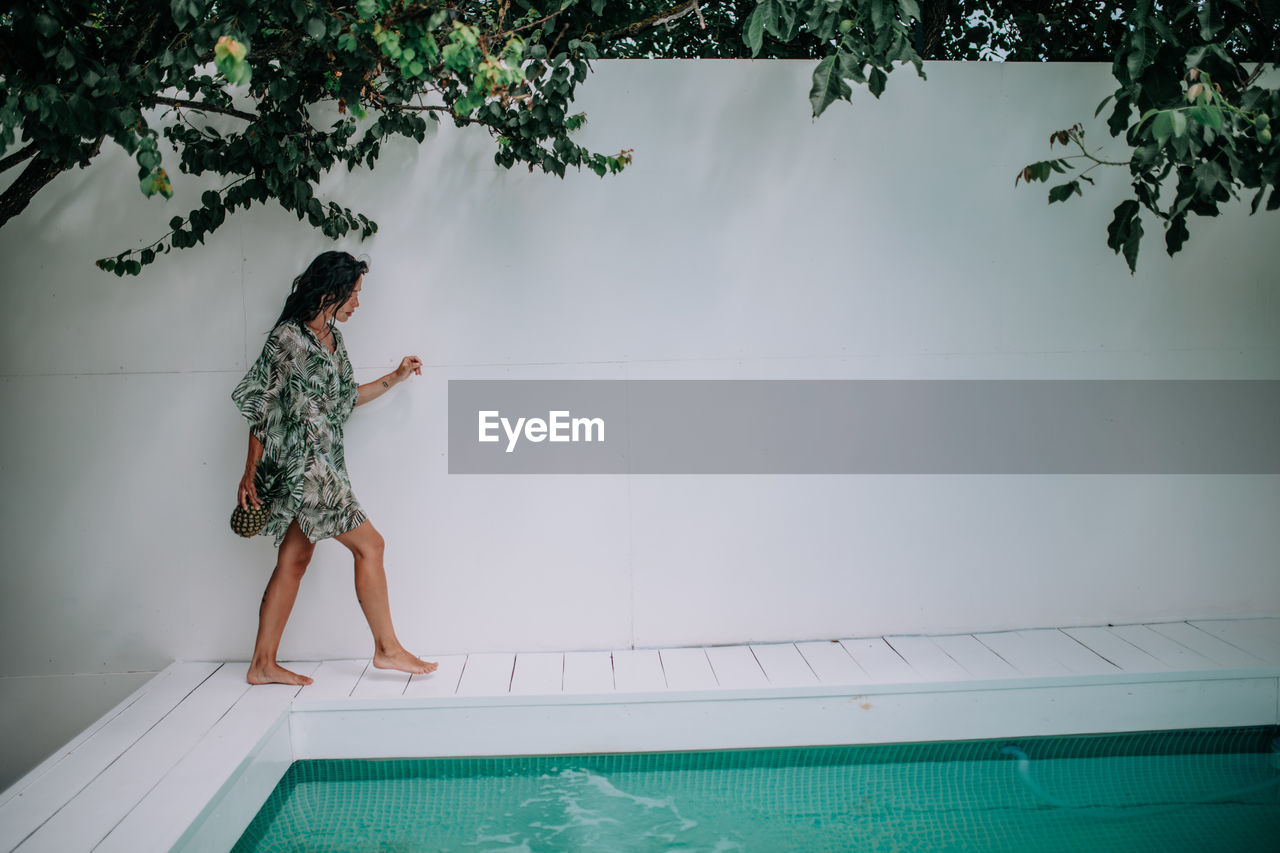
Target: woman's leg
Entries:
(277, 603)
(366, 545)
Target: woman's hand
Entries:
(246, 494)
(409, 365)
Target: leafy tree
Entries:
(78, 73)
(1192, 112)
(73, 74)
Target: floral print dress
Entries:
(296, 397)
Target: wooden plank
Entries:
(831, 663)
(687, 669)
(1258, 637)
(882, 664)
(538, 674)
(1022, 655)
(1206, 644)
(38, 795)
(380, 684)
(976, 659)
(736, 667)
(160, 820)
(784, 666)
(1075, 657)
(442, 682)
(928, 659)
(1113, 647)
(334, 679)
(636, 670)
(1163, 649)
(588, 672)
(90, 815)
(487, 674)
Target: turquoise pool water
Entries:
(1172, 791)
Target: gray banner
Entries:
(864, 427)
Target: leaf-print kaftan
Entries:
(296, 397)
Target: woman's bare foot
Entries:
(402, 660)
(274, 673)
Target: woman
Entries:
(296, 398)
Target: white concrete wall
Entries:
(885, 240)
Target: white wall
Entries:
(884, 240)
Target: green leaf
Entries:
(1161, 26)
(316, 28)
(1118, 122)
(1062, 192)
(1208, 116)
(910, 9)
(1257, 200)
(1131, 245)
(754, 35)
(1206, 20)
(1177, 234)
(1105, 101)
(877, 14)
(178, 8)
(1146, 155)
(1125, 232)
(65, 59)
(876, 82)
(1179, 121)
(1209, 176)
(46, 26)
(1135, 62)
(1162, 127)
(828, 85)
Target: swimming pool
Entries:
(1168, 791)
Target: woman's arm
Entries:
(410, 365)
(247, 494)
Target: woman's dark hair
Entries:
(327, 282)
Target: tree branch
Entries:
(17, 157)
(670, 14)
(1257, 72)
(204, 107)
(40, 171)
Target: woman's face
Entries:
(344, 311)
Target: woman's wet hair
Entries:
(325, 284)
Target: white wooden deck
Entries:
(185, 762)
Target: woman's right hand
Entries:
(246, 494)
